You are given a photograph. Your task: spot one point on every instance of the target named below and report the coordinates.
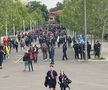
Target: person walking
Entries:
(26, 59)
(97, 47)
(44, 51)
(35, 53)
(30, 64)
(51, 78)
(76, 50)
(64, 52)
(1, 56)
(88, 50)
(52, 52)
(64, 81)
(16, 45)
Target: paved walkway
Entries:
(85, 75)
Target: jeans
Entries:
(30, 65)
(63, 88)
(64, 55)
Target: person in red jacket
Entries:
(30, 59)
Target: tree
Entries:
(59, 6)
(72, 17)
(14, 12)
(37, 6)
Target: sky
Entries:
(49, 3)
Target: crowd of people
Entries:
(79, 50)
(48, 36)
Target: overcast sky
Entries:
(49, 3)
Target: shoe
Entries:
(24, 70)
(67, 59)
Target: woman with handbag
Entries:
(51, 78)
(64, 81)
(30, 64)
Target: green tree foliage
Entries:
(59, 6)
(14, 12)
(73, 19)
(37, 7)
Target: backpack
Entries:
(25, 57)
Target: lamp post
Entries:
(85, 28)
(24, 25)
(30, 20)
(6, 28)
(13, 19)
(14, 26)
(30, 25)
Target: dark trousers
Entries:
(63, 88)
(1, 61)
(88, 54)
(58, 44)
(44, 55)
(64, 55)
(16, 49)
(30, 65)
(52, 59)
(82, 55)
(76, 55)
(97, 53)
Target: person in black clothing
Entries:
(76, 50)
(26, 59)
(51, 78)
(64, 81)
(69, 40)
(97, 47)
(52, 52)
(64, 51)
(16, 46)
(88, 50)
(82, 51)
(1, 56)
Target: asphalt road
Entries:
(85, 75)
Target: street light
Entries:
(6, 28)
(14, 26)
(30, 20)
(14, 19)
(24, 25)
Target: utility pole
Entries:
(6, 28)
(14, 27)
(30, 25)
(85, 28)
(24, 25)
(14, 19)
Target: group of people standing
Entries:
(5, 49)
(79, 50)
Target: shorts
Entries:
(52, 85)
